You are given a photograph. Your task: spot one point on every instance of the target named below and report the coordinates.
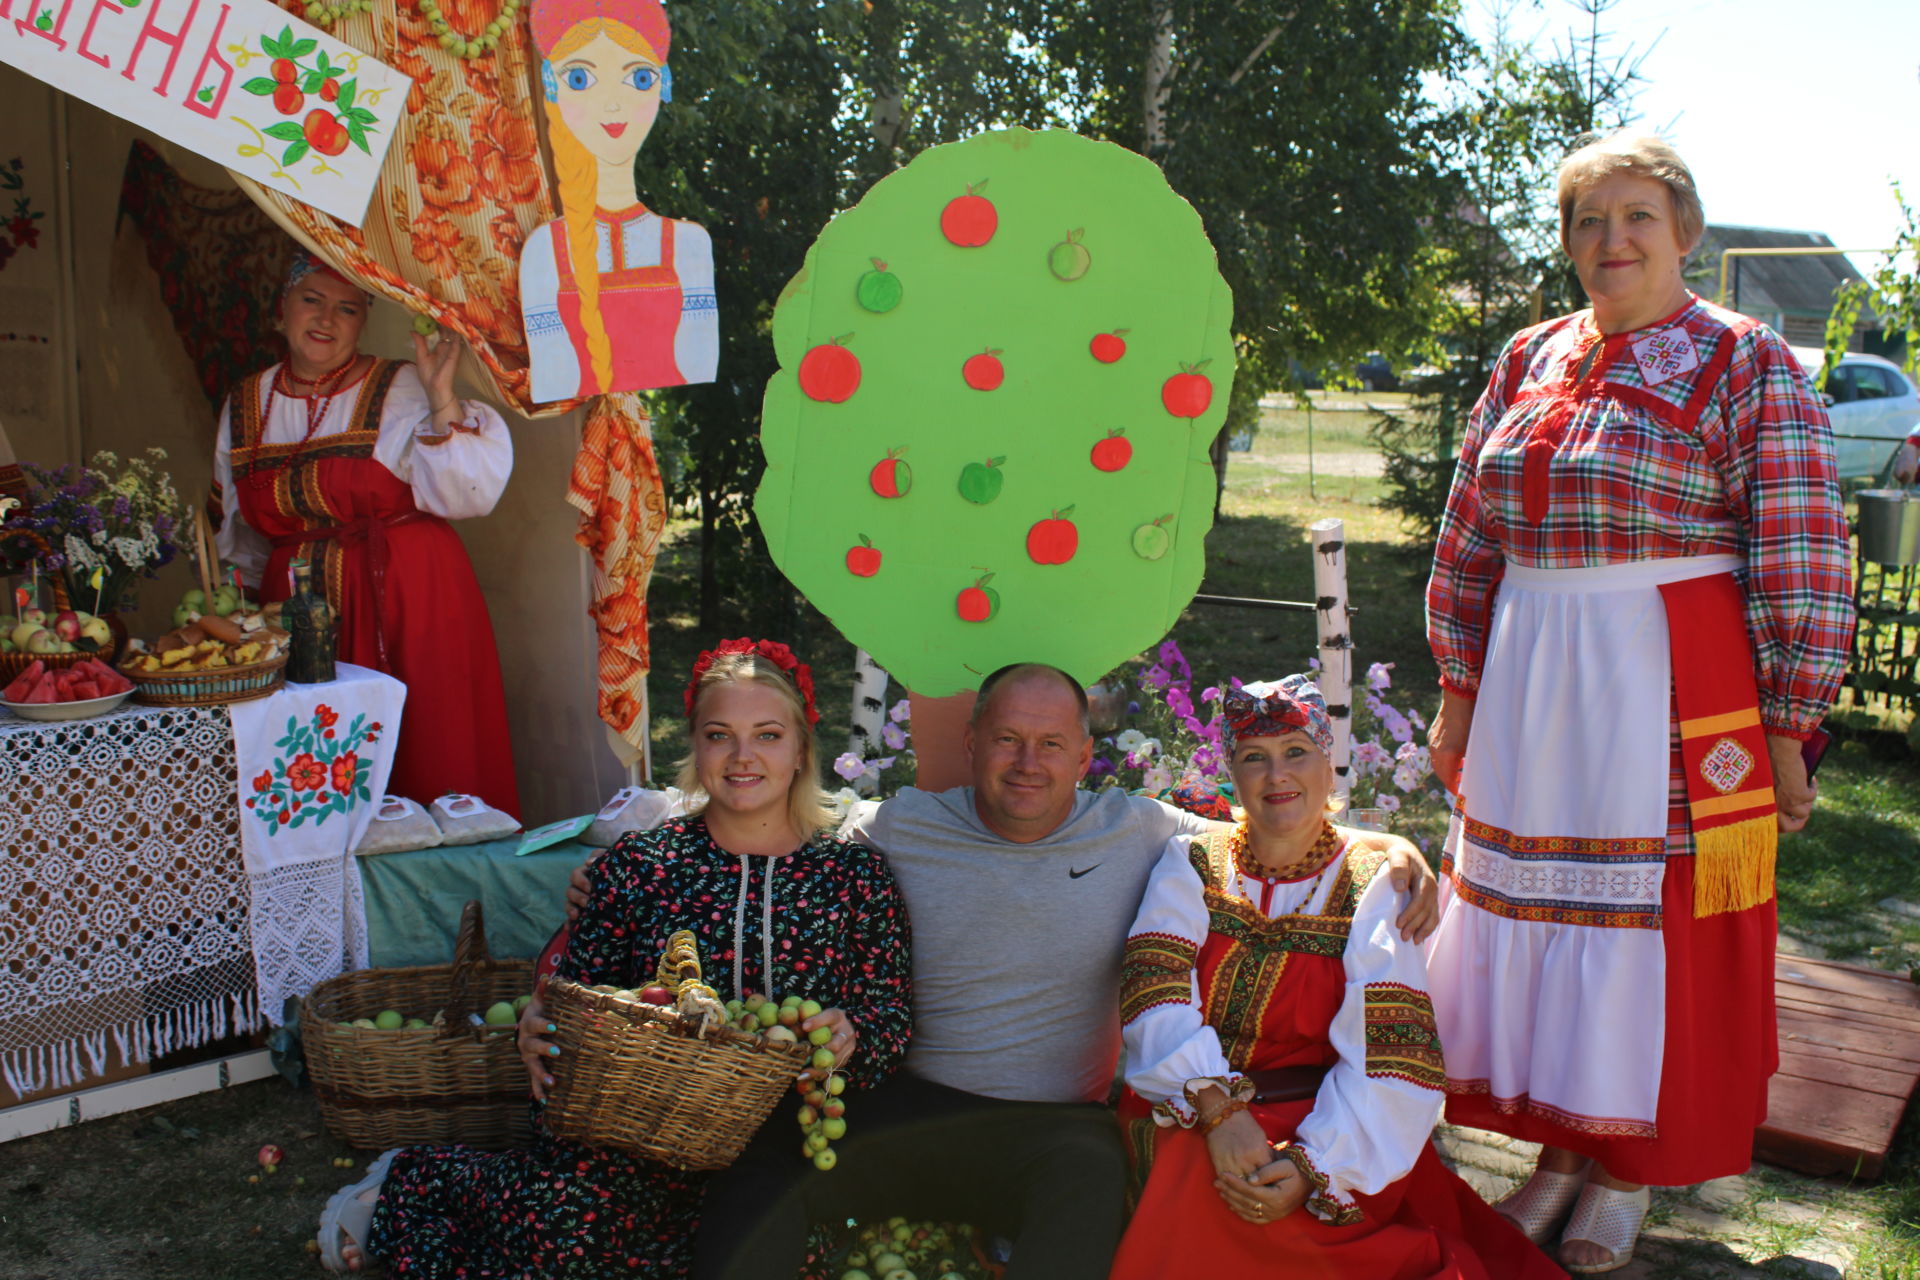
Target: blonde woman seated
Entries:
(1283, 1069)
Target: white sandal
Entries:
(1610, 1219)
(346, 1218)
(1539, 1206)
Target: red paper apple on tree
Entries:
(1107, 348)
(863, 561)
(970, 220)
(1188, 393)
(1114, 452)
(830, 373)
(1053, 540)
(984, 372)
(890, 477)
(978, 602)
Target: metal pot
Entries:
(1890, 526)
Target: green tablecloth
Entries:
(414, 899)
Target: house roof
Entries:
(1792, 285)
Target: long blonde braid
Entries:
(579, 175)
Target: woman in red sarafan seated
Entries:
(357, 464)
(1283, 1066)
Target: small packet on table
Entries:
(632, 809)
(470, 820)
(398, 825)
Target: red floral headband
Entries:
(773, 651)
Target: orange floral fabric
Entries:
(462, 187)
(616, 487)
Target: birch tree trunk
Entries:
(1334, 625)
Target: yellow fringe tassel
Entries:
(1733, 866)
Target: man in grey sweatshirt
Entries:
(1020, 890)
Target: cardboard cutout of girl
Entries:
(645, 315)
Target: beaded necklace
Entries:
(1326, 847)
(319, 399)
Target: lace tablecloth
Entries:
(124, 932)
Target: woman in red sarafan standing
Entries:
(357, 464)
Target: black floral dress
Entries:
(838, 935)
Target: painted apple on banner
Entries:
(237, 81)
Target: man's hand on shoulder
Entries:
(1411, 875)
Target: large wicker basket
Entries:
(449, 1083)
(630, 1080)
(213, 688)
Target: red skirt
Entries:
(1430, 1225)
(1721, 1046)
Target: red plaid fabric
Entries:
(1658, 458)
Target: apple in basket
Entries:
(500, 1014)
(656, 995)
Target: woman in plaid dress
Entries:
(1640, 609)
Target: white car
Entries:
(1873, 406)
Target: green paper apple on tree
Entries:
(863, 561)
(1053, 540)
(980, 482)
(984, 372)
(1150, 541)
(890, 477)
(830, 373)
(1069, 259)
(1114, 452)
(1018, 543)
(879, 290)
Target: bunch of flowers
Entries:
(1174, 739)
(879, 775)
(120, 518)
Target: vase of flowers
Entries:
(96, 529)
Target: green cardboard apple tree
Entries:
(987, 439)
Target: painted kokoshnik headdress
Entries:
(1268, 709)
(551, 20)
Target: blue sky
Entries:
(1791, 113)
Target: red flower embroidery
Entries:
(345, 770)
(326, 715)
(306, 774)
(507, 153)
(25, 233)
(264, 781)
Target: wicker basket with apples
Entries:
(386, 1081)
(660, 1072)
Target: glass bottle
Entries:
(309, 621)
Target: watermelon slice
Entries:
(43, 691)
(23, 683)
(85, 691)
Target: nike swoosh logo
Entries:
(1075, 875)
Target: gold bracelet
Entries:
(1220, 1117)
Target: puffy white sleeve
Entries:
(552, 364)
(696, 343)
(1171, 1052)
(1378, 1104)
(457, 475)
(237, 542)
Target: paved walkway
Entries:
(1765, 1222)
